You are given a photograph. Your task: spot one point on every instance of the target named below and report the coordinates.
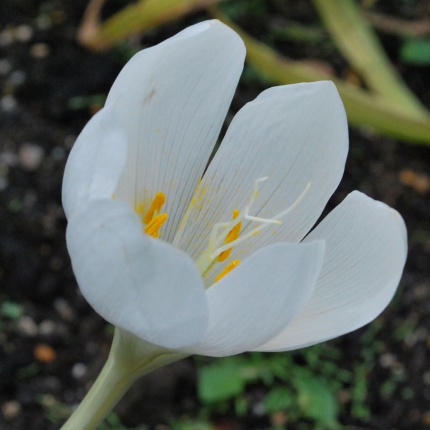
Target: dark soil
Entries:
(52, 344)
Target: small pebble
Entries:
(259, 409)
(39, 50)
(419, 181)
(8, 158)
(387, 360)
(8, 103)
(11, 410)
(23, 33)
(46, 328)
(44, 353)
(17, 77)
(30, 156)
(64, 310)
(27, 326)
(79, 370)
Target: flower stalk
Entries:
(129, 359)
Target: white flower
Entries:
(137, 172)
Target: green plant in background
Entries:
(360, 46)
(416, 51)
(301, 391)
(136, 17)
(388, 107)
(11, 309)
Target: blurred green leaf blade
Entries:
(316, 399)
(364, 109)
(359, 44)
(220, 381)
(416, 51)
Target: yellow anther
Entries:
(221, 245)
(155, 208)
(232, 235)
(228, 269)
(155, 224)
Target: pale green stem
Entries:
(129, 359)
(106, 392)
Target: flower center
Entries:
(224, 236)
(232, 235)
(227, 269)
(155, 208)
(153, 227)
(152, 219)
(221, 243)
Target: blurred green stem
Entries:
(363, 107)
(359, 44)
(129, 359)
(134, 18)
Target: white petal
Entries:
(293, 134)
(172, 100)
(137, 283)
(95, 162)
(258, 298)
(366, 249)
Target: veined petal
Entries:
(172, 100)
(137, 283)
(294, 135)
(95, 162)
(260, 297)
(366, 248)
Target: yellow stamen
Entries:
(155, 208)
(228, 269)
(218, 243)
(155, 224)
(231, 236)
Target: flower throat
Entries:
(224, 236)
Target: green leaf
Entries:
(364, 108)
(279, 399)
(190, 425)
(316, 399)
(134, 18)
(11, 309)
(359, 44)
(416, 51)
(220, 382)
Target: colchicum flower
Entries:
(191, 258)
